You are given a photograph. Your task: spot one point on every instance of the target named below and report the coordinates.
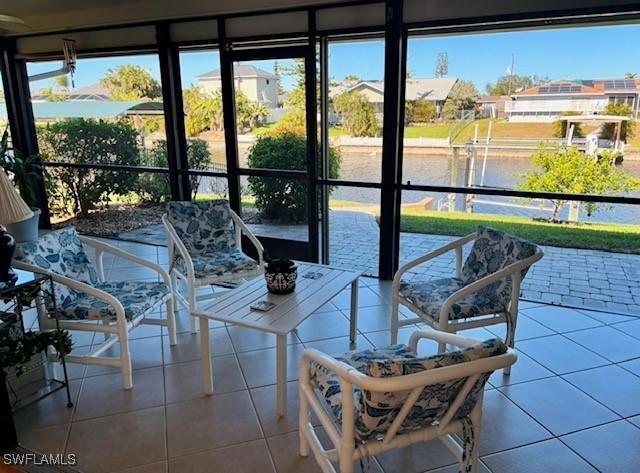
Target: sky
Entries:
(575, 53)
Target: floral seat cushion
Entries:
(218, 264)
(60, 252)
(205, 227)
(136, 297)
(375, 411)
(429, 296)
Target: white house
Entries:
(258, 85)
(431, 90)
(546, 102)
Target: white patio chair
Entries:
(85, 301)
(205, 249)
(372, 401)
(485, 291)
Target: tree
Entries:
(279, 199)
(208, 110)
(131, 82)
(560, 126)
(564, 169)
(295, 102)
(351, 78)
(52, 95)
(61, 82)
(154, 187)
(442, 65)
(463, 96)
(507, 85)
(420, 111)
(86, 141)
(357, 113)
(256, 112)
(628, 127)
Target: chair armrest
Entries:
(350, 375)
(176, 243)
(105, 247)
(512, 269)
(324, 360)
(254, 240)
(438, 336)
(434, 254)
(80, 287)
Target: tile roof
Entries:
(240, 70)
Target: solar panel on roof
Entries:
(620, 84)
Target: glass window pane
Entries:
(109, 113)
(501, 107)
(275, 207)
(202, 98)
(271, 114)
(356, 94)
(354, 233)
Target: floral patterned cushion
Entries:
(429, 296)
(375, 411)
(205, 227)
(60, 252)
(136, 297)
(492, 251)
(218, 264)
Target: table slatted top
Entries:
(290, 310)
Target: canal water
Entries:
(503, 172)
(440, 168)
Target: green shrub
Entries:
(357, 113)
(86, 141)
(420, 111)
(154, 187)
(560, 126)
(277, 199)
(628, 127)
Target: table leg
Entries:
(281, 374)
(207, 374)
(353, 321)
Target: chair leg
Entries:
(470, 463)
(395, 309)
(192, 306)
(346, 460)
(174, 290)
(303, 424)
(171, 321)
(125, 358)
(512, 321)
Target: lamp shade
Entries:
(12, 207)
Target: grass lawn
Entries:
(429, 130)
(597, 236)
(504, 129)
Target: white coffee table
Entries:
(291, 310)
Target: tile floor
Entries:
(571, 404)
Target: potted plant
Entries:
(25, 172)
(17, 350)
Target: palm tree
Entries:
(210, 109)
(61, 82)
(256, 113)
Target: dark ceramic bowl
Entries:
(281, 278)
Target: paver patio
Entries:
(590, 279)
